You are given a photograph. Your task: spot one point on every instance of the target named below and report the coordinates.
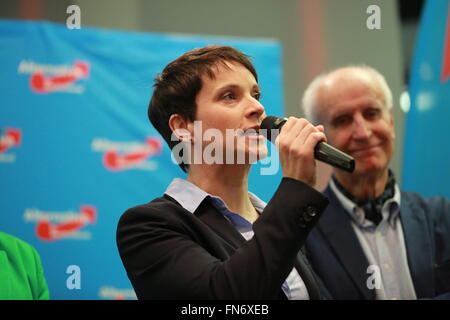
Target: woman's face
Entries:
(227, 104)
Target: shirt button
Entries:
(311, 211)
(307, 217)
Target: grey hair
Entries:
(309, 100)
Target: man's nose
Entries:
(361, 128)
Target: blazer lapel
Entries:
(417, 242)
(336, 226)
(216, 222)
(219, 224)
(304, 270)
(224, 229)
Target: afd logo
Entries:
(56, 225)
(47, 78)
(445, 74)
(113, 293)
(9, 138)
(119, 156)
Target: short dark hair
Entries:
(177, 86)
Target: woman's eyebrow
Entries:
(228, 86)
(232, 86)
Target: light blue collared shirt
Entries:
(383, 245)
(189, 196)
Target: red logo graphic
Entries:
(42, 84)
(112, 293)
(11, 138)
(47, 231)
(446, 57)
(115, 161)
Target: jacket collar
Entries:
(336, 227)
(418, 247)
(189, 196)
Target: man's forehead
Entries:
(341, 83)
(353, 105)
(337, 94)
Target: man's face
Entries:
(358, 123)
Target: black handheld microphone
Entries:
(322, 152)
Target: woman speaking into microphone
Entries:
(207, 236)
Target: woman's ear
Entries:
(180, 128)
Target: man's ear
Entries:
(180, 127)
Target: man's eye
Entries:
(372, 114)
(341, 121)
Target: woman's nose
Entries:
(256, 109)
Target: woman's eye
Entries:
(257, 95)
(229, 96)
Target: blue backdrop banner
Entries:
(76, 146)
(426, 167)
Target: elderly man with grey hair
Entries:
(373, 241)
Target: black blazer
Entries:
(170, 253)
(339, 260)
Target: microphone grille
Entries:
(272, 123)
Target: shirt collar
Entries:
(189, 196)
(390, 210)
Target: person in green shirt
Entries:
(21, 272)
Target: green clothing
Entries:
(21, 273)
